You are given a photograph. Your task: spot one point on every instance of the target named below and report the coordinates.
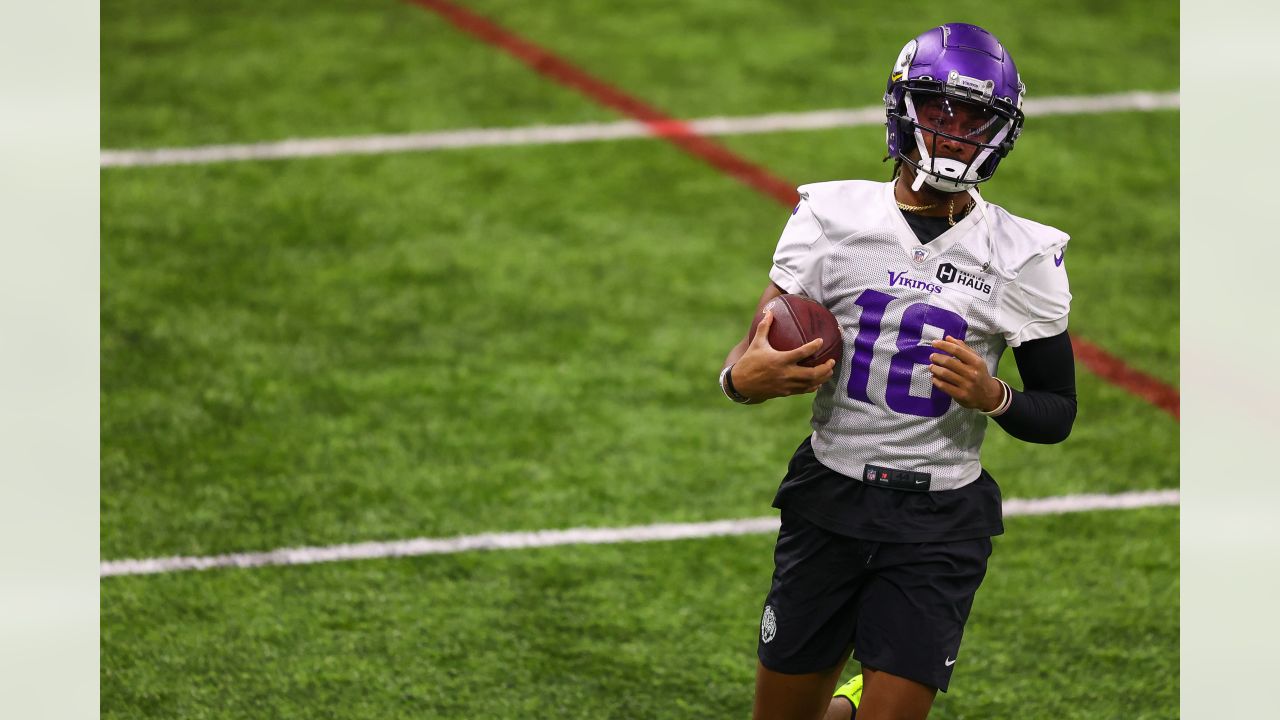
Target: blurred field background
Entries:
(335, 350)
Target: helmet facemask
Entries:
(938, 118)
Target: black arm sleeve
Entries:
(1046, 408)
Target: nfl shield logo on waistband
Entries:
(919, 255)
(871, 476)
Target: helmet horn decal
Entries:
(903, 64)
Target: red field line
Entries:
(1113, 370)
(1097, 360)
(660, 123)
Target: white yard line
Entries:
(549, 134)
(578, 536)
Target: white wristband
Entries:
(1006, 399)
(731, 394)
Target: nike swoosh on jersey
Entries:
(1057, 259)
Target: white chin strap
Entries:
(945, 174)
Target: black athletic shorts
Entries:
(902, 606)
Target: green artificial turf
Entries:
(309, 352)
(313, 351)
(1078, 618)
(242, 71)
(237, 71)
(706, 58)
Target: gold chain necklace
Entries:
(915, 208)
(951, 201)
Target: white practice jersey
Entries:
(993, 280)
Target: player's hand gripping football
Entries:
(763, 373)
(961, 373)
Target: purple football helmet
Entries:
(957, 83)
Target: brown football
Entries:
(798, 320)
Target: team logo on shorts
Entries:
(768, 625)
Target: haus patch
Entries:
(973, 284)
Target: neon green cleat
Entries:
(851, 691)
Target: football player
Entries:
(887, 512)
